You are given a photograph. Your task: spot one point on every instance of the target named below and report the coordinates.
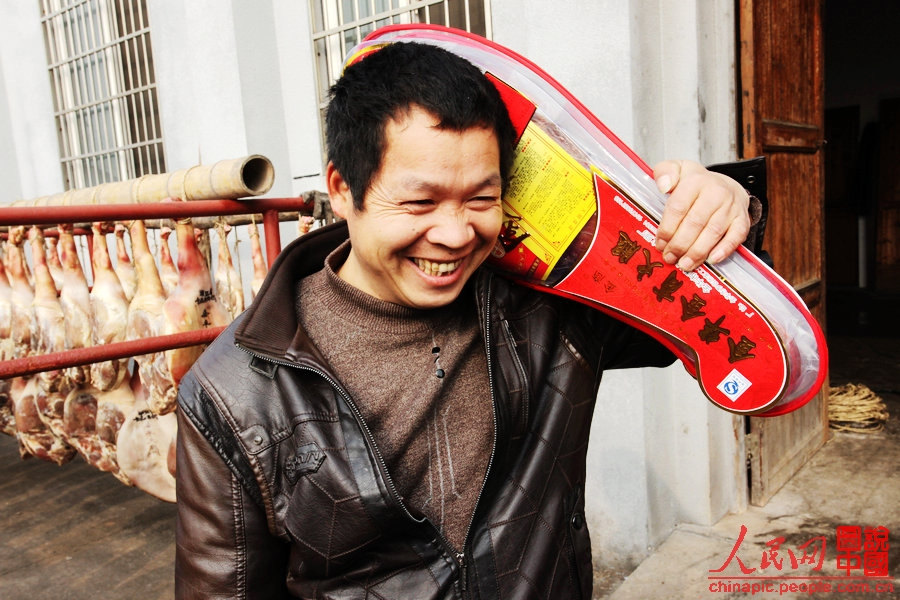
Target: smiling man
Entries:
(389, 419)
(431, 215)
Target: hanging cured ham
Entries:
(76, 304)
(113, 409)
(93, 419)
(125, 269)
(47, 391)
(191, 306)
(30, 431)
(259, 262)
(35, 438)
(145, 319)
(229, 287)
(168, 273)
(7, 420)
(144, 445)
(21, 294)
(109, 312)
(7, 417)
(5, 309)
(48, 332)
(195, 279)
(180, 313)
(53, 262)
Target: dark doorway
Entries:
(862, 167)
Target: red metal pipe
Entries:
(23, 367)
(52, 215)
(273, 236)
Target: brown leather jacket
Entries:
(283, 493)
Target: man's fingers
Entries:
(734, 237)
(710, 228)
(700, 230)
(705, 215)
(683, 180)
(713, 237)
(672, 217)
(718, 239)
(680, 204)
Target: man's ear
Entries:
(338, 191)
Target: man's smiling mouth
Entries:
(434, 268)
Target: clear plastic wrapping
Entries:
(802, 355)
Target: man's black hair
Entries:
(394, 79)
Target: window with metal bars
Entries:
(104, 90)
(338, 25)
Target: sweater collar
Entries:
(270, 325)
(362, 309)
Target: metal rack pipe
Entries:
(270, 227)
(270, 208)
(76, 357)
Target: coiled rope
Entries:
(854, 407)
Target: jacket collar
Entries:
(270, 325)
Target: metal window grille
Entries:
(104, 89)
(338, 25)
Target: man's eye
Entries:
(485, 200)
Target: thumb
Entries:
(666, 174)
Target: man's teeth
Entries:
(436, 268)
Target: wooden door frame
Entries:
(769, 469)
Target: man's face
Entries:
(431, 214)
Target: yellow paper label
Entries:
(550, 196)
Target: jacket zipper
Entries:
(459, 556)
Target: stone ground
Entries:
(852, 480)
(75, 533)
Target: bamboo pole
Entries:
(227, 179)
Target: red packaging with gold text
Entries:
(580, 218)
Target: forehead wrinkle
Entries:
(417, 184)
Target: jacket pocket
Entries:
(516, 379)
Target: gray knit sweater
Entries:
(419, 378)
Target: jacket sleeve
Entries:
(223, 545)
(625, 346)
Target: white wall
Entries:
(660, 74)
(198, 83)
(301, 122)
(9, 161)
(235, 78)
(29, 147)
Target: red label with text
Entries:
(739, 360)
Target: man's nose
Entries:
(451, 228)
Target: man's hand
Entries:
(706, 216)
